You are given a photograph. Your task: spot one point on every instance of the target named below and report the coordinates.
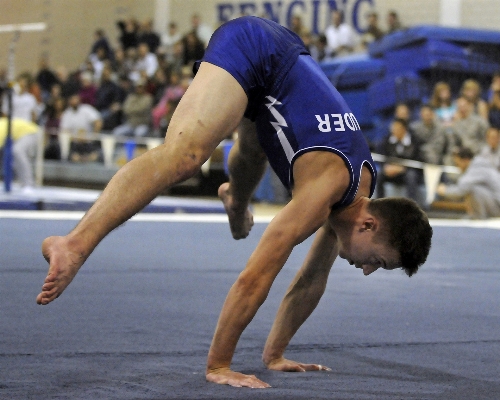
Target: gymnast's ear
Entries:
(370, 223)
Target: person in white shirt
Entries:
(24, 104)
(203, 31)
(340, 36)
(168, 40)
(147, 63)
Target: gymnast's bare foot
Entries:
(240, 218)
(64, 263)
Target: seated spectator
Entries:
(393, 22)
(402, 111)
(478, 185)
(494, 105)
(372, 32)
(431, 136)
(395, 178)
(108, 99)
(297, 26)
(169, 39)
(495, 85)
(52, 121)
(98, 60)
(24, 104)
(101, 42)
(201, 30)
(69, 82)
(146, 63)
(193, 48)
(128, 33)
(158, 85)
(119, 65)
(468, 129)
(45, 78)
(148, 36)
(340, 36)
(25, 143)
(81, 119)
(471, 90)
(442, 103)
(87, 90)
(163, 111)
(137, 112)
(491, 150)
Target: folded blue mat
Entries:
(353, 71)
(422, 33)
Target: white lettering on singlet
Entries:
(278, 124)
(338, 121)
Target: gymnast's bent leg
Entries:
(247, 163)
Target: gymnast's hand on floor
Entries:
(224, 376)
(282, 364)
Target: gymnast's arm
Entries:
(318, 185)
(300, 301)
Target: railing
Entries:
(432, 172)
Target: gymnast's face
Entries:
(366, 251)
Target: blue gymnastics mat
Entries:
(438, 54)
(422, 33)
(353, 71)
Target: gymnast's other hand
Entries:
(224, 376)
(282, 364)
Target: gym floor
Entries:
(137, 321)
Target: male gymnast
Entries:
(258, 74)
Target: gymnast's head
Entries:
(392, 233)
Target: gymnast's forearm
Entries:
(303, 295)
(134, 186)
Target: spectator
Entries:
(25, 143)
(393, 22)
(98, 60)
(201, 30)
(137, 112)
(146, 64)
(24, 104)
(372, 32)
(52, 121)
(81, 119)
(128, 33)
(87, 90)
(193, 48)
(101, 42)
(396, 177)
(108, 99)
(340, 36)
(468, 129)
(69, 82)
(479, 185)
(119, 65)
(491, 150)
(158, 85)
(297, 26)
(471, 90)
(45, 78)
(494, 106)
(495, 85)
(169, 39)
(442, 103)
(165, 108)
(148, 36)
(431, 136)
(402, 111)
